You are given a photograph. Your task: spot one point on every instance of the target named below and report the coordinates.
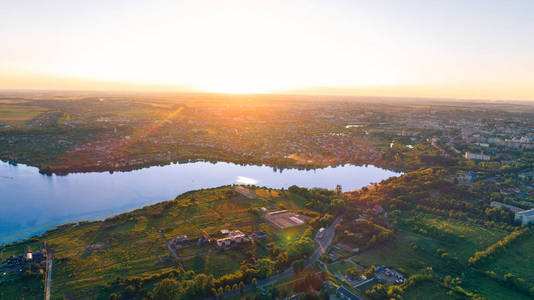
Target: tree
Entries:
(254, 283)
(298, 266)
(338, 205)
(377, 292)
(129, 291)
(168, 289)
(265, 267)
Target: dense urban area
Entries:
(454, 225)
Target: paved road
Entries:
(443, 152)
(168, 245)
(48, 276)
(324, 242)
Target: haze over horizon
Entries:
(453, 49)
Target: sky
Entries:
(424, 48)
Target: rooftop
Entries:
(528, 213)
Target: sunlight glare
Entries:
(246, 180)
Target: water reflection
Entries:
(246, 180)
(31, 202)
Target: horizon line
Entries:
(280, 93)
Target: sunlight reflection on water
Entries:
(245, 180)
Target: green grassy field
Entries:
(517, 260)
(340, 267)
(427, 291)
(399, 254)
(489, 288)
(216, 262)
(471, 237)
(403, 256)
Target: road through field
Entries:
(48, 277)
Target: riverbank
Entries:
(277, 164)
(54, 200)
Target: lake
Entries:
(31, 203)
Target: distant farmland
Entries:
(19, 112)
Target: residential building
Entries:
(481, 156)
(525, 217)
(232, 238)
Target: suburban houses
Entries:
(232, 238)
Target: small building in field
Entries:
(258, 235)
(466, 178)
(178, 240)
(232, 238)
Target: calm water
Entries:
(30, 202)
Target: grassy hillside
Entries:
(90, 255)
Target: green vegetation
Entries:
(11, 113)
(460, 238)
(434, 224)
(127, 256)
(109, 256)
(425, 290)
(341, 267)
(517, 260)
(481, 257)
(27, 287)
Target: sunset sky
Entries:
(458, 49)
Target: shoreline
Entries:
(103, 169)
(102, 215)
